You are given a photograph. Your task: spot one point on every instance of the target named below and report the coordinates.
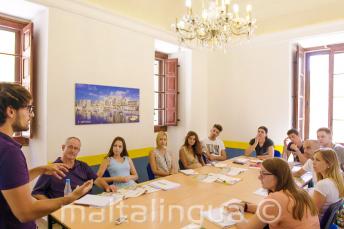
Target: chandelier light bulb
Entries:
(188, 3)
(249, 8)
(227, 2)
(236, 8)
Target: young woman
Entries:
(190, 153)
(160, 159)
(286, 206)
(263, 145)
(330, 186)
(120, 167)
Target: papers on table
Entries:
(235, 171)
(150, 189)
(97, 200)
(164, 184)
(232, 201)
(188, 172)
(131, 193)
(256, 161)
(241, 161)
(212, 177)
(192, 226)
(221, 165)
(261, 192)
(220, 217)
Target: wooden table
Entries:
(191, 193)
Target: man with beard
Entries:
(18, 209)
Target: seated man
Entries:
(309, 146)
(213, 147)
(324, 136)
(48, 187)
(294, 147)
(263, 145)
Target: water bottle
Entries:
(67, 189)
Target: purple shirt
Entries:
(13, 174)
(53, 187)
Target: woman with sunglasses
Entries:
(286, 206)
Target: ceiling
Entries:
(272, 15)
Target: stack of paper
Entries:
(261, 192)
(226, 179)
(241, 161)
(235, 171)
(164, 184)
(97, 200)
(232, 201)
(150, 189)
(188, 172)
(219, 217)
(133, 193)
(209, 179)
(192, 226)
(221, 165)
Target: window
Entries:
(165, 92)
(16, 58)
(318, 91)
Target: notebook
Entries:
(188, 172)
(235, 171)
(164, 184)
(97, 200)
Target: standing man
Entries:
(324, 136)
(17, 207)
(79, 172)
(294, 146)
(213, 147)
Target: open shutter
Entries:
(299, 92)
(171, 92)
(26, 63)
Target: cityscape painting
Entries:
(96, 104)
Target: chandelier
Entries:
(216, 27)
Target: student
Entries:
(324, 136)
(213, 147)
(190, 153)
(160, 159)
(294, 146)
(310, 146)
(48, 187)
(295, 206)
(330, 186)
(263, 145)
(119, 165)
(17, 207)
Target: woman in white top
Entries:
(119, 165)
(160, 159)
(330, 186)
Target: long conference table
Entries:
(174, 208)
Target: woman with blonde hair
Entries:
(160, 159)
(286, 206)
(330, 186)
(190, 154)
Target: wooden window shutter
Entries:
(299, 92)
(171, 92)
(26, 63)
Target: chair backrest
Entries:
(106, 173)
(277, 153)
(181, 166)
(150, 173)
(330, 214)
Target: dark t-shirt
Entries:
(13, 173)
(260, 151)
(296, 158)
(53, 187)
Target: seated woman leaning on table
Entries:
(190, 153)
(286, 206)
(263, 145)
(161, 161)
(330, 186)
(119, 165)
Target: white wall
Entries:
(251, 84)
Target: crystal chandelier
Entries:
(217, 26)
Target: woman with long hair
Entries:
(286, 206)
(160, 159)
(119, 165)
(190, 154)
(330, 186)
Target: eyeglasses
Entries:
(265, 173)
(30, 108)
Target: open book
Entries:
(164, 184)
(220, 178)
(235, 171)
(97, 200)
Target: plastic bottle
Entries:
(67, 188)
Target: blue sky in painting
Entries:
(97, 92)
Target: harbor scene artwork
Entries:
(97, 104)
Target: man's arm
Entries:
(25, 208)
(221, 157)
(299, 172)
(56, 169)
(40, 196)
(251, 148)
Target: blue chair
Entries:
(106, 173)
(150, 173)
(277, 153)
(330, 214)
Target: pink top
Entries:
(286, 219)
